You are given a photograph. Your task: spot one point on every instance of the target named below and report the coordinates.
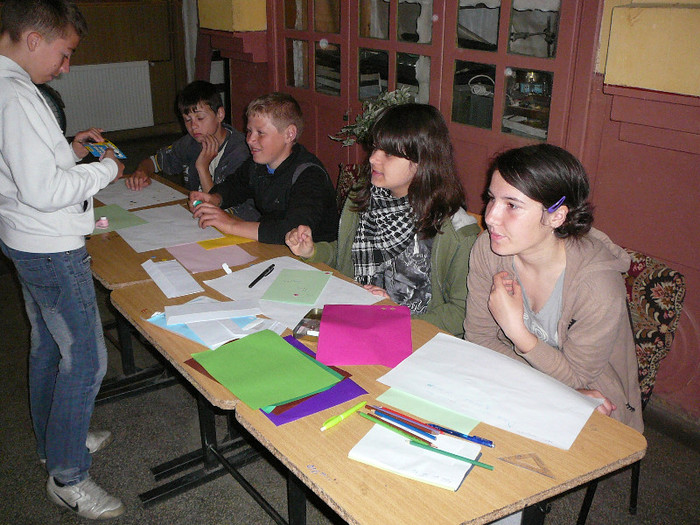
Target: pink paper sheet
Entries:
(196, 259)
(364, 335)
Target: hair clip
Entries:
(554, 207)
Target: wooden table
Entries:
(114, 262)
(363, 494)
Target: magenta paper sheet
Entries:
(364, 335)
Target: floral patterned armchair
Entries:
(655, 296)
(350, 175)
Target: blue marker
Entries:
(474, 439)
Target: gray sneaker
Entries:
(86, 499)
(95, 442)
(98, 440)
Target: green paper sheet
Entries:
(263, 369)
(427, 410)
(297, 286)
(118, 218)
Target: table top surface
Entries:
(363, 494)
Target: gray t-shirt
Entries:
(544, 323)
(406, 277)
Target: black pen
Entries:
(267, 272)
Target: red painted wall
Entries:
(642, 151)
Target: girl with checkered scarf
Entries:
(404, 234)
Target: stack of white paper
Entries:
(214, 311)
(389, 451)
(172, 278)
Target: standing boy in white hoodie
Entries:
(45, 213)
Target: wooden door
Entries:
(506, 79)
(311, 54)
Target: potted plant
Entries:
(352, 175)
(359, 131)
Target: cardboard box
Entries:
(233, 15)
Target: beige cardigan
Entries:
(594, 332)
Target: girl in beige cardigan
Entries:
(547, 288)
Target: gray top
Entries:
(544, 323)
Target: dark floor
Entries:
(157, 426)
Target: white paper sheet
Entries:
(172, 278)
(156, 193)
(166, 226)
(216, 333)
(387, 450)
(337, 291)
(198, 312)
(493, 388)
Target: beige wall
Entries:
(651, 45)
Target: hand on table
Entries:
(211, 215)
(137, 180)
(606, 407)
(202, 197)
(376, 290)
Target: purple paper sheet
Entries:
(339, 393)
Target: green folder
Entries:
(263, 369)
(118, 218)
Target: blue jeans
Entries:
(67, 358)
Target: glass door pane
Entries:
(328, 78)
(297, 52)
(374, 19)
(472, 99)
(374, 72)
(413, 71)
(477, 24)
(415, 22)
(327, 16)
(528, 97)
(295, 14)
(533, 32)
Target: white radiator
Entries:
(109, 96)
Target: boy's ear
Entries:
(290, 134)
(33, 40)
(221, 114)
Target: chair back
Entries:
(655, 296)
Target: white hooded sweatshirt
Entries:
(45, 198)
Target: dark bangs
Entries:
(393, 133)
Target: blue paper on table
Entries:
(344, 391)
(185, 331)
(179, 329)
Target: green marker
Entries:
(337, 419)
